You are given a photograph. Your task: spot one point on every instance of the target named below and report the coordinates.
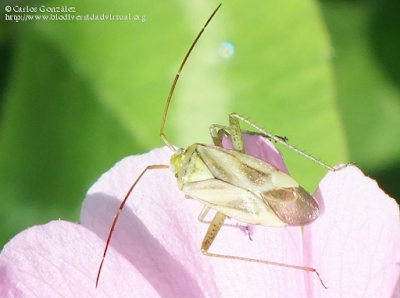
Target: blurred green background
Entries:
(77, 96)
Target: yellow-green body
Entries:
(242, 187)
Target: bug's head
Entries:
(180, 162)
(177, 161)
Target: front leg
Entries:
(233, 130)
(218, 132)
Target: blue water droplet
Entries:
(226, 50)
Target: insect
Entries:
(233, 183)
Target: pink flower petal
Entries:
(356, 242)
(158, 233)
(155, 250)
(59, 259)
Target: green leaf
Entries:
(366, 37)
(83, 94)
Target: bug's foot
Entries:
(341, 167)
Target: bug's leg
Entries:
(236, 134)
(203, 214)
(283, 142)
(212, 232)
(152, 167)
(233, 130)
(284, 139)
(217, 133)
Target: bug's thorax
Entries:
(188, 166)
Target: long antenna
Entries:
(171, 92)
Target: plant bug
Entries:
(233, 183)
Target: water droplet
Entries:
(226, 50)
